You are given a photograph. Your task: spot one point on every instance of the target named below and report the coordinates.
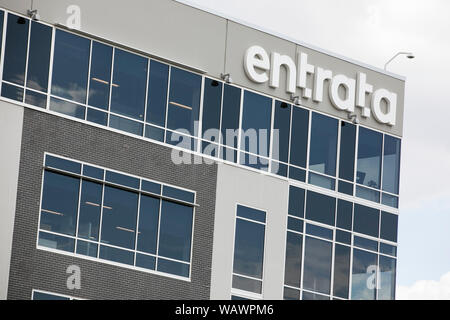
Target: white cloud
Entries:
(426, 290)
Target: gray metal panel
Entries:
(11, 121)
(253, 189)
(160, 27)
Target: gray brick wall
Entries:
(42, 270)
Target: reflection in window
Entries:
(90, 208)
(293, 266)
(184, 100)
(37, 295)
(70, 66)
(366, 220)
(59, 203)
(299, 136)
(157, 93)
(39, 56)
(320, 208)
(99, 85)
(148, 224)
(282, 123)
(369, 158)
(129, 83)
(296, 201)
(119, 217)
(391, 164)
(347, 151)
(389, 226)
(256, 118)
(323, 144)
(248, 253)
(387, 278)
(317, 266)
(15, 49)
(230, 115)
(212, 99)
(364, 275)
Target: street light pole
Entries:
(409, 55)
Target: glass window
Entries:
(365, 243)
(16, 43)
(97, 117)
(59, 203)
(322, 181)
(67, 108)
(99, 83)
(175, 231)
(172, 267)
(230, 115)
(129, 84)
(250, 213)
(148, 224)
(388, 249)
(346, 188)
(369, 158)
(256, 118)
(296, 201)
(347, 152)
(320, 208)
(291, 294)
(179, 194)
(12, 92)
(90, 209)
(389, 226)
(341, 271)
(318, 231)
(391, 164)
(93, 172)
(116, 255)
(299, 137)
(1, 28)
(54, 241)
(387, 278)
(282, 123)
(126, 125)
(87, 248)
(62, 164)
(293, 266)
(343, 237)
(46, 296)
(184, 100)
(145, 261)
(366, 220)
(122, 179)
(364, 275)
(157, 93)
(323, 146)
(247, 284)
(295, 224)
(119, 218)
(344, 215)
(151, 187)
(249, 248)
(317, 267)
(39, 56)
(368, 194)
(313, 296)
(212, 99)
(70, 66)
(36, 99)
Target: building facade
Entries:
(156, 150)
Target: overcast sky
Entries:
(372, 31)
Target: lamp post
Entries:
(409, 55)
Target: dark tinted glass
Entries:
(47, 296)
(295, 224)
(368, 194)
(343, 237)
(347, 151)
(291, 294)
(341, 271)
(93, 172)
(299, 136)
(297, 174)
(249, 248)
(317, 275)
(230, 115)
(87, 248)
(178, 194)
(1, 28)
(318, 231)
(148, 224)
(345, 187)
(59, 203)
(256, 118)
(151, 187)
(250, 213)
(282, 123)
(54, 241)
(172, 267)
(320, 208)
(322, 157)
(67, 108)
(313, 296)
(126, 125)
(63, 164)
(15, 49)
(363, 275)
(389, 200)
(12, 92)
(154, 133)
(389, 226)
(90, 208)
(365, 243)
(122, 179)
(387, 278)
(157, 93)
(129, 83)
(119, 217)
(36, 99)
(369, 158)
(70, 66)
(388, 249)
(322, 181)
(116, 255)
(212, 99)
(391, 164)
(97, 117)
(144, 261)
(39, 56)
(344, 215)
(184, 100)
(293, 266)
(247, 284)
(175, 231)
(99, 85)
(366, 220)
(296, 201)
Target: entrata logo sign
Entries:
(383, 102)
